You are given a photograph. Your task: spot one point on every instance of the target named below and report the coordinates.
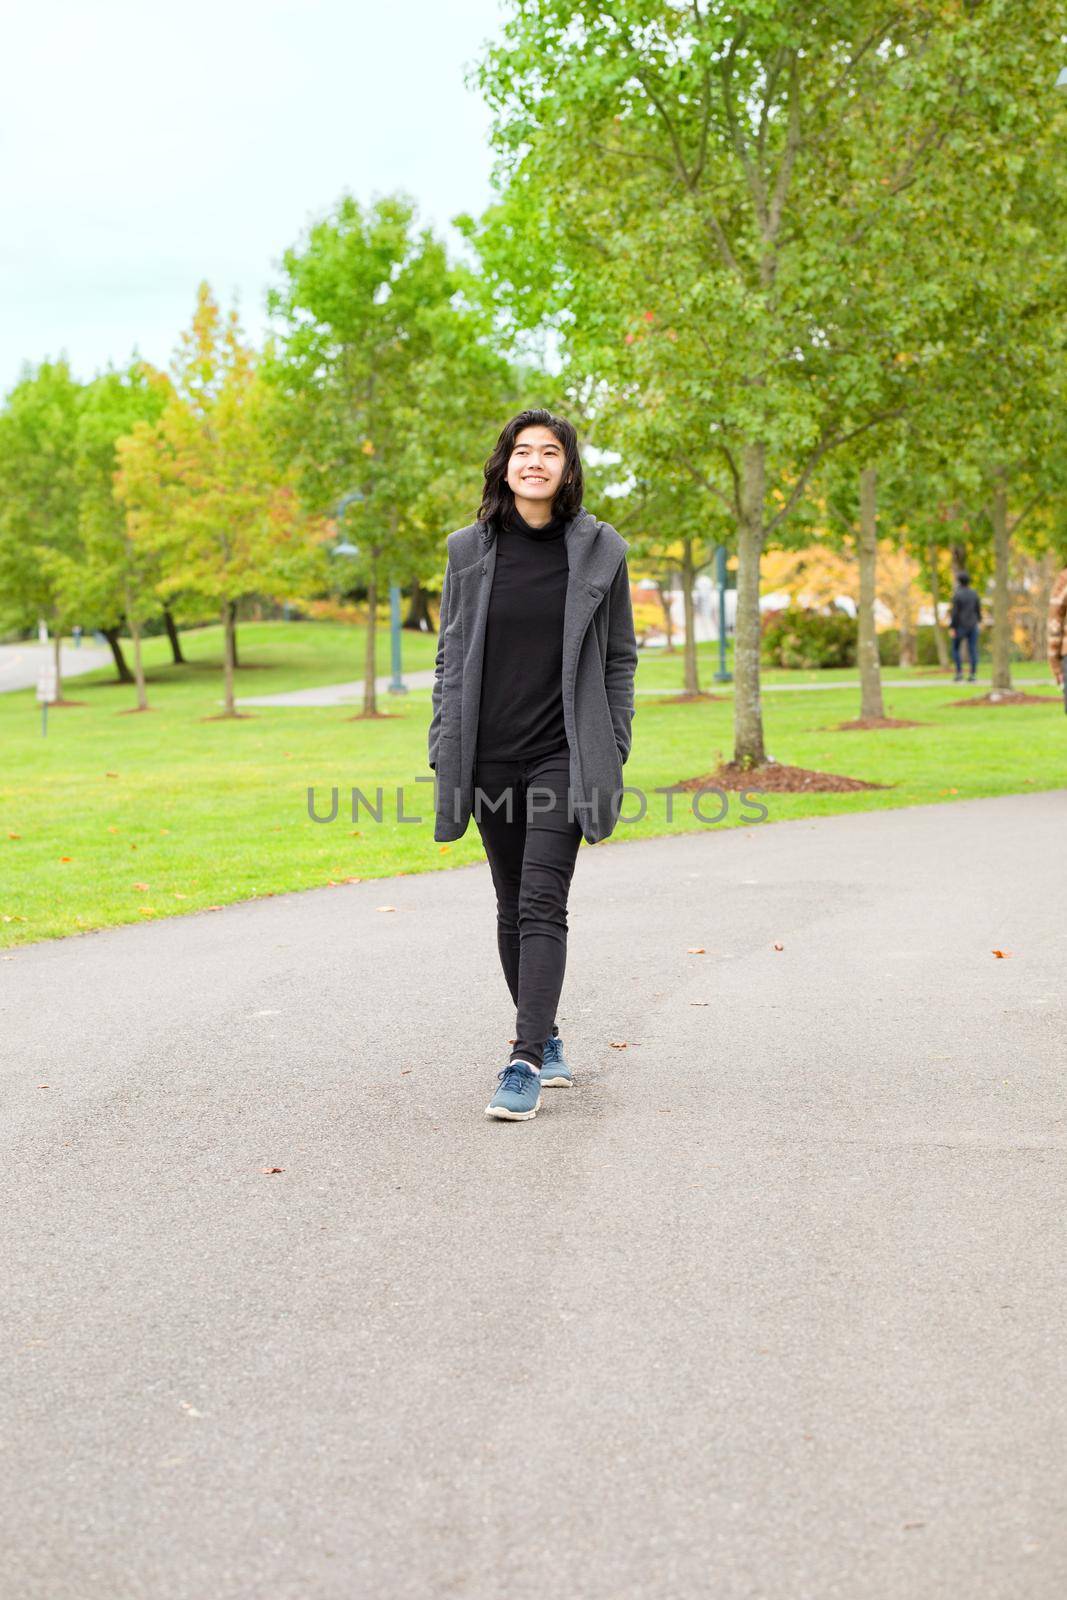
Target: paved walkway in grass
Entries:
(21, 663)
(337, 694)
(770, 1304)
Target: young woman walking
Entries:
(533, 704)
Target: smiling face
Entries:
(535, 473)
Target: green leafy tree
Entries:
(115, 581)
(702, 196)
(39, 526)
(387, 380)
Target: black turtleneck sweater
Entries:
(521, 712)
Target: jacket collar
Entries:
(594, 550)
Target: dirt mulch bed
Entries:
(775, 778)
(1009, 697)
(864, 723)
(702, 696)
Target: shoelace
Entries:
(553, 1050)
(512, 1078)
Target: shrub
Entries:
(798, 638)
(925, 647)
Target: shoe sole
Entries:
(557, 1083)
(503, 1115)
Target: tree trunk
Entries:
(748, 712)
(370, 670)
(959, 559)
(689, 643)
(123, 671)
(418, 609)
(172, 635)
(232, 614)
(1001, 597)
(138, 666)
(908, 650)
(228, 658)
(871, 704)
(57, 643)
(935, 599)
(665, 602)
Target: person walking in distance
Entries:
(533, 706)
(964, 618)
(1057, 632)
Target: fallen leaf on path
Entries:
(779, 946)
(698, 1002)
(273, 1169)
(1002, 955)
(616, 1046)
(385, 908)
(694, 950)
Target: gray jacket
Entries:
(599, 662)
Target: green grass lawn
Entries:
(125, 818)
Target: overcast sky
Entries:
(146, 146)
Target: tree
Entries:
(386, 381)
(39, 528)
(115, 579)
(202, 488)
(738, 174)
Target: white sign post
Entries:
(46, 691)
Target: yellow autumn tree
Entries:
(203, 489)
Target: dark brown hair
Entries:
(497, 497)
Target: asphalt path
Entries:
(771, 1304)
(20, 664)
(335, 694)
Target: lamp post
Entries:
(344, 547)
(722, 676)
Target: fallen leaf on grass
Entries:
(140, 886)
(65, 858)
(14, 836)
(147, 911)
(110, 774)
(179, 896)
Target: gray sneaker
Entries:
(519, 1094)
(555, 1073)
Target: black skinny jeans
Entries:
(532, 846)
